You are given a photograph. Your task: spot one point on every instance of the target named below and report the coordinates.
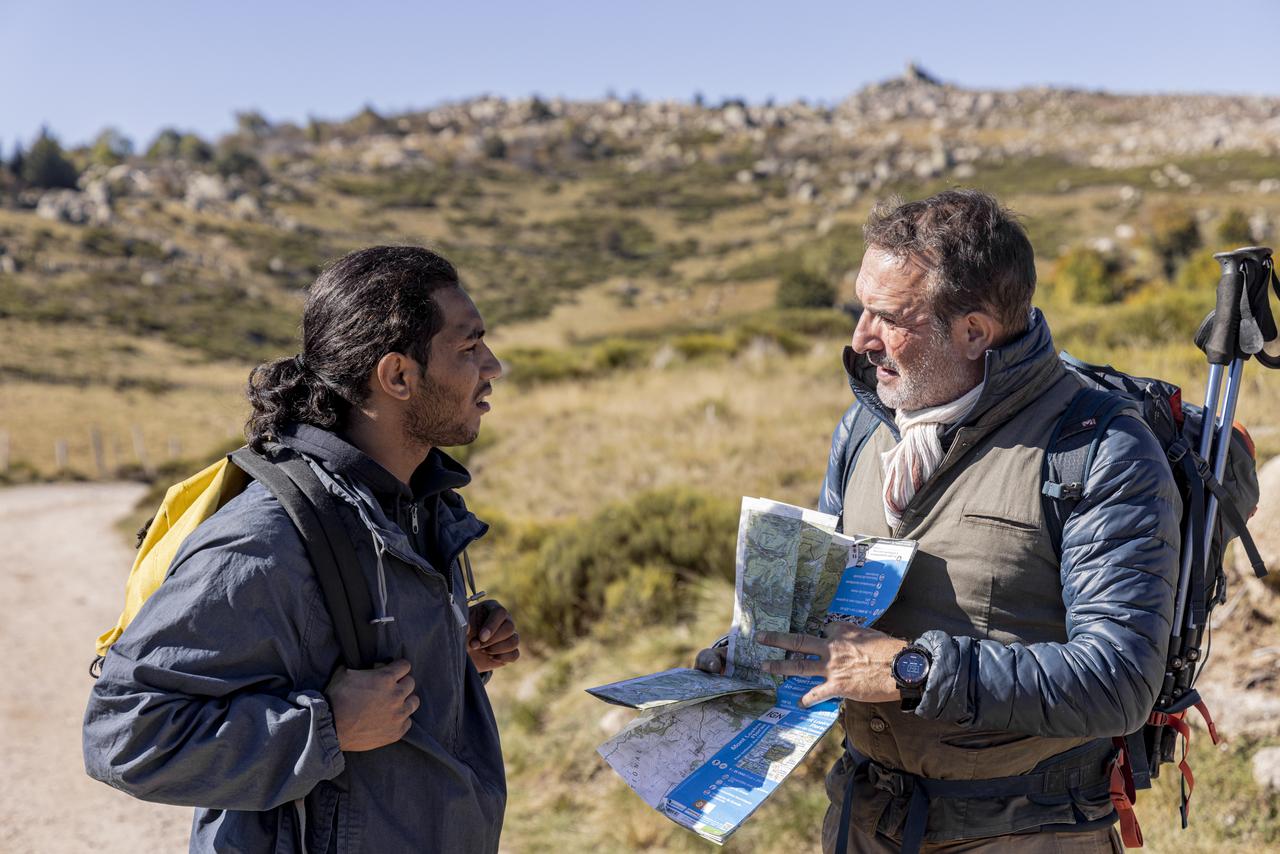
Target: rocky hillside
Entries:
(203, 248)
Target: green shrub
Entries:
(164, 146)
(540, 364)
(107, 243)
(420, 188)
(110, 148)
(802, 289)
(632, 561)
(235, 161)
(1199, 274)
(1233, 230)
(702, 345)
(617, 353)
(494, 147)
(1088, 276)
(619, 237)
(1173, 235)
(193, 149)
(1155, 315)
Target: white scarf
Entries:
(910, 464)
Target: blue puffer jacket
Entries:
(1118, 568)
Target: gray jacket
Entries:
(213, 697)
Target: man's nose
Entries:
(492, 368)
(864, 338)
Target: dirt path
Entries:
(62, 571)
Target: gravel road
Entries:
(62, 572)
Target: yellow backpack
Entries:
(315, 512)
(184, 507)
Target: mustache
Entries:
(487, 388)
(881, 360)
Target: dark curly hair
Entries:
(364, 305)
(978, 254)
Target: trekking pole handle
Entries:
(1241, 324)
(1224, 323)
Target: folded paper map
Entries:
(707, 750)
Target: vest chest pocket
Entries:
(991, 514)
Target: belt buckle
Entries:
(887, 780)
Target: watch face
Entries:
(911, 667)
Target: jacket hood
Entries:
(1011, 372)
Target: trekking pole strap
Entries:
(1237, 522)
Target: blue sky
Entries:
(140, 66)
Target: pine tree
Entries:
(46, 166)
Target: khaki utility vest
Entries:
(986, 568)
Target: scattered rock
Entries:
(73, 207)
(1266, 768)
(247, 207)
(205, 190)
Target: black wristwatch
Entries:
(911, 671)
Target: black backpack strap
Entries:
(1069, 456)
(314, 511)
(1227, 506)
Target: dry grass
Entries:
(62, 382)
(754, 425)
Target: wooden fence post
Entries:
(99, 452)
(140, 451)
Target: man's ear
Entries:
(981, 332)
(395, 375)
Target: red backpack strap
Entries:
(1123, 795)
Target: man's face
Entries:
(918, 365)
(449, 402)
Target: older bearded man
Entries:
(978, 717)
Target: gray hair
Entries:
(976, 251)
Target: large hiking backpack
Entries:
(1179, 428)
(314, 511)
(1072, 448)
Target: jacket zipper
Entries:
(413, 516)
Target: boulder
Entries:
(204, 190)
(73, 207)
(1265, 526)
(1266, 769)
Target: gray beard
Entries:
(938, 379)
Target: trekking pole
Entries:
(1241, 326)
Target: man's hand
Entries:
(854, 660)
(371, 708)
(492, 640)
